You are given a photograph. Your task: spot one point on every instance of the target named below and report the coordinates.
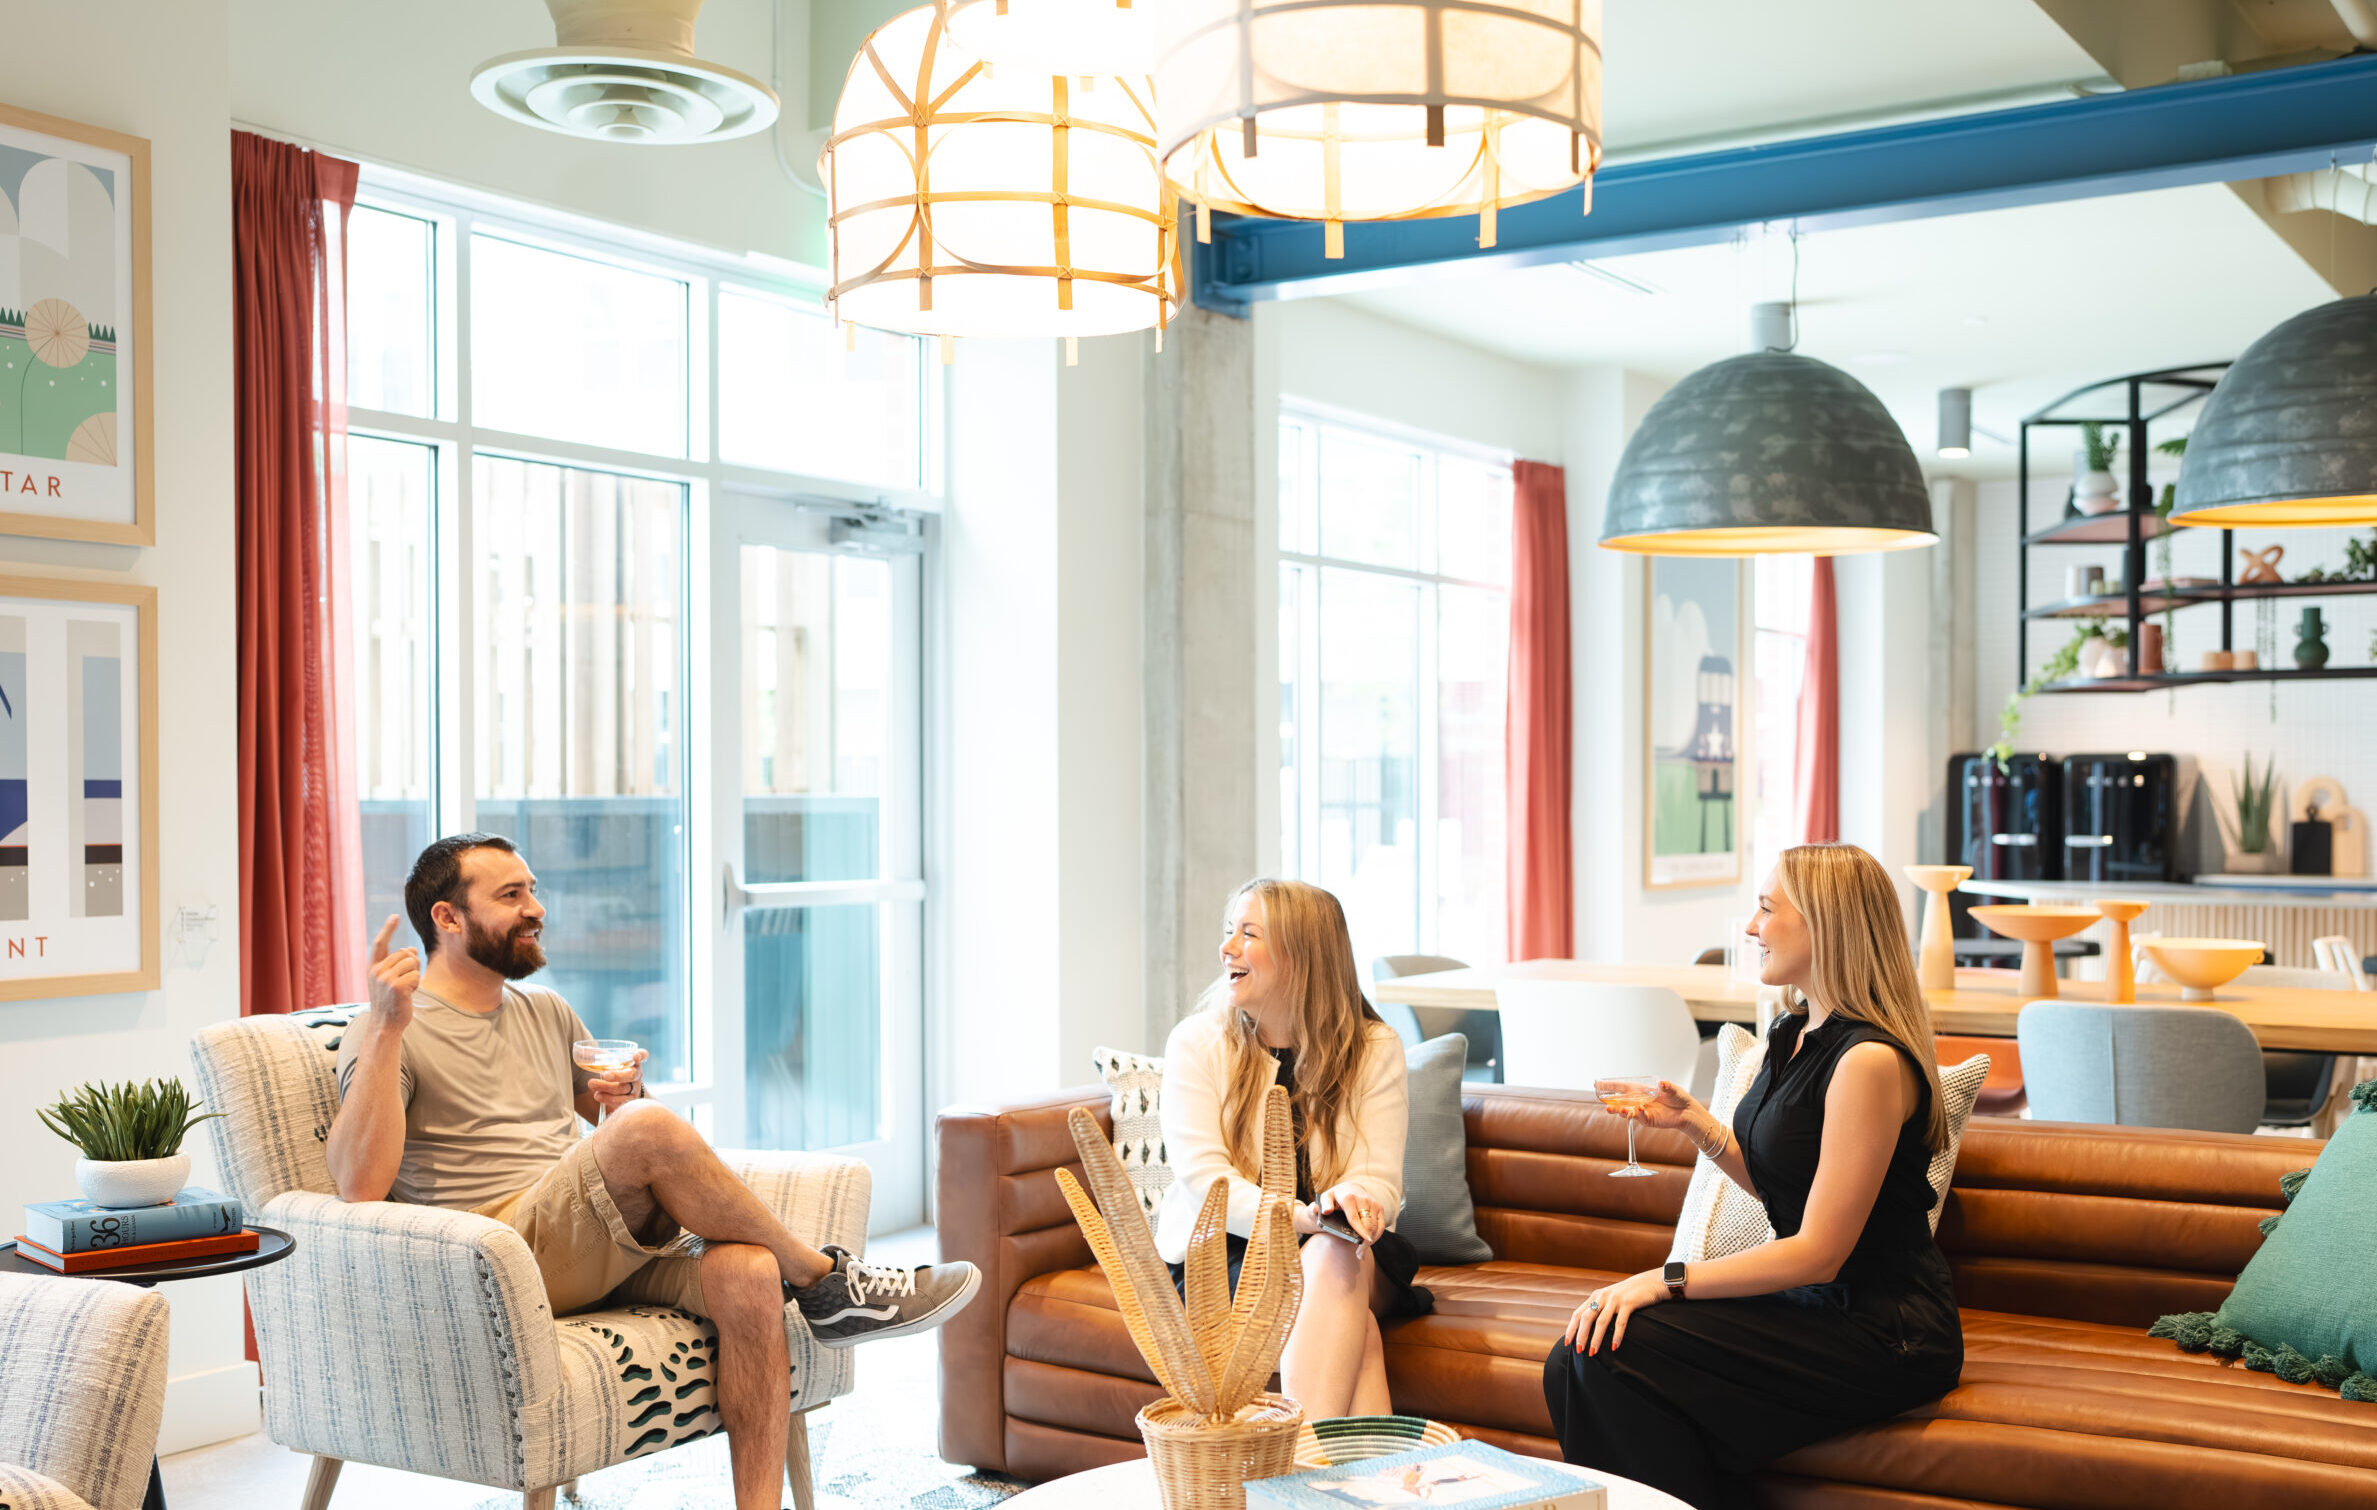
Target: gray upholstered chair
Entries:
(2140, 1066)
(82, 1388)
(417, 1338)
(1419, 1024)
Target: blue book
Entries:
(80, 1227)
(1470, 1475)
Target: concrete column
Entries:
(1201, 604)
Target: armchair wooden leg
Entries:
(537, 1499)
(569, 1491)
(796, 1462)
(320, 1479)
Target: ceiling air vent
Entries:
(624, 71)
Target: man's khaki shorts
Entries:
(586, 1250)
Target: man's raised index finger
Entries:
(379, 946)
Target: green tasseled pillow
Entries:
(2306, 1307)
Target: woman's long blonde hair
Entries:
(1304, 930)
(1863, 969)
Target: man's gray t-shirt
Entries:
(489, 1100)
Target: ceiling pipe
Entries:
(2359, 18)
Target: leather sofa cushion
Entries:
(2054, 1412)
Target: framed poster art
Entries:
(1694, 641)
(78, 788)
(75, 459)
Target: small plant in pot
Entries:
(131, 1140)
(2095, 491)
(2256, 801)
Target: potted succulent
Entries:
(2093, 487)
(131, 1140)
(2256, 800)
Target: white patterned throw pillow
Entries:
(1720, 1218)
(1137, 1084)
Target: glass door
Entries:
(817, 763)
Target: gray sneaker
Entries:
(861, 1302)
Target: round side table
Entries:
(275, 1246)
(1131, 1486)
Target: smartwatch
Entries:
(1674, 1275)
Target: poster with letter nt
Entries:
(1696, 612)
(74, 332)
(78, 788)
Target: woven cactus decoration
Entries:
(1215, 1353)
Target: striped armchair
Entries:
(82, 1387)
(419, 1338)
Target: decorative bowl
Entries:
(2035, 922)
(127, 1184)
(1336, 1440)
(2202, 966)
(1938, 877)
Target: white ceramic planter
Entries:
(120, 1184)
(2097, 493)
(2254, 862)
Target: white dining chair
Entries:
(2336, 953)
(1564, 1034)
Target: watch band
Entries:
(1673, 1274)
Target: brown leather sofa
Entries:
(2067, 1242)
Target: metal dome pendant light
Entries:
(1338, 110)
(967, 201)
(1078, 37)
(2289, 437)
(624, 71)
(1768, 453)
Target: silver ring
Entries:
(1594, 1304)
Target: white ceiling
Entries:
(1680, 70)
(2019, 305)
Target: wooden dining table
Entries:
(1984, 1003)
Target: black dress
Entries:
(1705, 1390)
(1396, 1258)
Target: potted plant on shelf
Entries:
(2072, 662)
(131, 1140)
(2093, 487)
(2253, 855)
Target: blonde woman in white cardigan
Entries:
(1288, 1007)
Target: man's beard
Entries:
(514, 956)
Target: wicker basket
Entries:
(1204, 1467)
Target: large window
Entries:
(544, 421)
(1394, 644)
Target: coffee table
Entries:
(274, 1246)
(1131, 1486)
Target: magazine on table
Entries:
(1469, 1475)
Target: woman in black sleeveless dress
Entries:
(1849, 1315)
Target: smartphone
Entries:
(1335, 1224)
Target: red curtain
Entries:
(300, 850)
(1538, 732)
(1816, 763)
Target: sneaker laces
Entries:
(869, 1280)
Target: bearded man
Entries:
(457, 1089)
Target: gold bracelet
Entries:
(1723, 1137)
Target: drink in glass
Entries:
(602, 1055)
(1628, 1096)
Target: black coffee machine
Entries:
(2006, 823)
(2121, 817)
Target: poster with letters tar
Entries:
(74, 328)
(1693, 664)
(78, 788)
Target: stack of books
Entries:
(76, 1237)
(1470, 1475)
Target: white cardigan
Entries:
(1196, 1076)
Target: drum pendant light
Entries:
(1338, 110)
(1059, 36)
(963, 201)
(1767, 453)
(2289, 437)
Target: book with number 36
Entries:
(80, 1227)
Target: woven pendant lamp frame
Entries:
(1200, 173)
(926, 113)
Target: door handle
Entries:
(2014, 839)
(2087, 841)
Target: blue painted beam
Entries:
(2286, 120)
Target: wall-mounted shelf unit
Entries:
(2135, 404)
